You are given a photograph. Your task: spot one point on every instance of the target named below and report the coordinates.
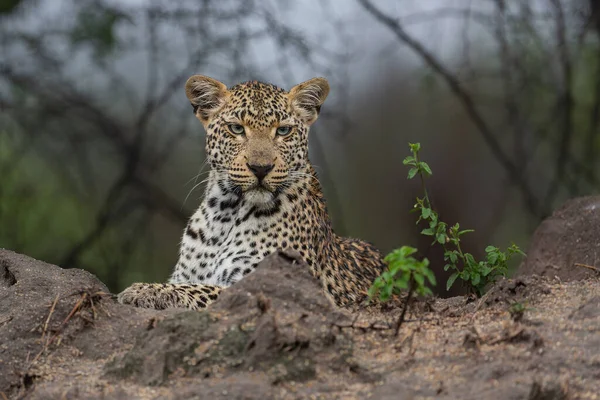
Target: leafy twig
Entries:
(477, 275)
(404, 272)
(457, 88)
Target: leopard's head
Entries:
(257, 133)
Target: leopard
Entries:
(262, 195)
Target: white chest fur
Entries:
(227, 236)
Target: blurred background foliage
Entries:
(100, 155)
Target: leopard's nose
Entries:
(260, 171)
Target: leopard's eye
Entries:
(236, 129)
(284, 130)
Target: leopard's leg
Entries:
(169, 295)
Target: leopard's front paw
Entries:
(169, 295)
(146, 295)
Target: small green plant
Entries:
(478, 275)
(517, 311)
(403, 273)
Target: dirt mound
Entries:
(517, 290)
(44, 307)
(275, 335)
(276, 320)
(567, 244)
(28, 288)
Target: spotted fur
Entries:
(246, 214)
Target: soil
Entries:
(567, 244)
(275, 335)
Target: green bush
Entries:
(404, 272)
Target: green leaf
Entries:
(514, 249)
(400, 284)
(430, 276)
(434, 219)
(451, 280)
(426, 212)
(386, 293)
(442, 226)
(412, 172)
(410, 160)
(485, 271)
(441, 238)
(405, 276)
(420, 279)
(406, 251)
(427, 232)
(425, 167)
(415, 147)
(475, 279)
(454, 256)
(470, 260)
(466, 231)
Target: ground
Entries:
(276, 335)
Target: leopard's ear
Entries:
(207, 96)
(307, 98)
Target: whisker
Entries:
(302, 175)
(193, 188)
(195, 178)
(216, 174)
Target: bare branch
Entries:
(566, 103)
(513, 172)
(591, 141)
